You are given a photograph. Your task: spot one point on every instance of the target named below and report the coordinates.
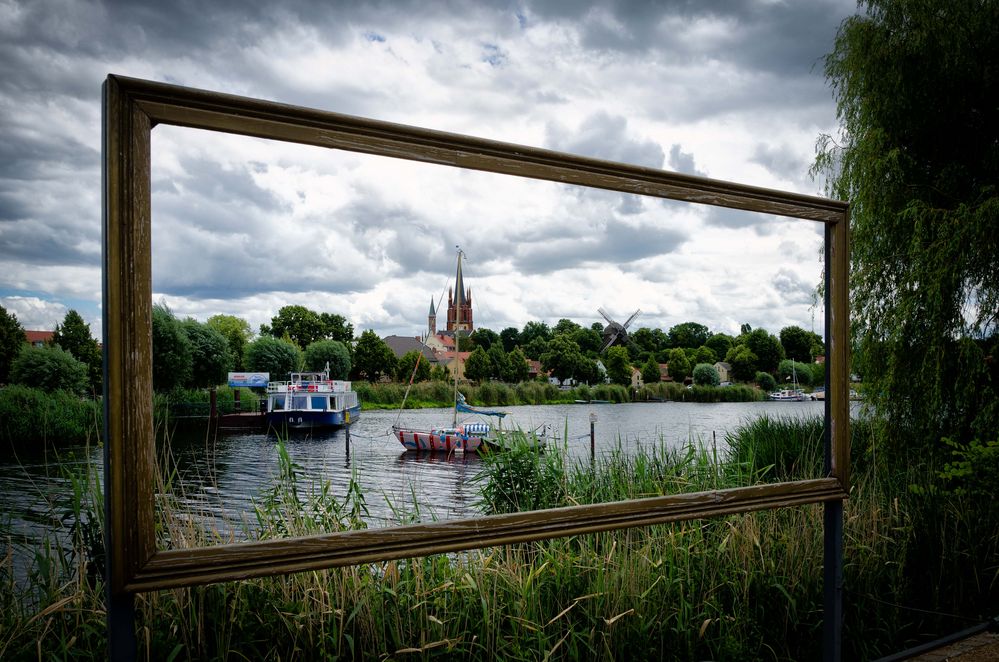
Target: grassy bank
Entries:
(743, 587)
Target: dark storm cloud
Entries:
(757, 36)
(36, 243)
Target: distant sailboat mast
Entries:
(457, 343)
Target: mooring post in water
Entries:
(593, 436)
(235, 401)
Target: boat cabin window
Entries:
(319, 402)
(277, 402)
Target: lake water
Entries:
(220, 479)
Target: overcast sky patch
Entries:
(240, 226)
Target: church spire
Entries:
(459, 286)
(459, 303)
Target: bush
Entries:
(33, 416)
(50, 368)
(766, 381)
(706, 375)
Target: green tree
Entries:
(765, 381)
(535, 348)
(332, 353)
(705, 354)
(687, 334)
(499, 361)
(618, 366)
(172, 360)
(302, 325)
(518, 370)
(562, 359)
(73, 335)
(743, 362)
(789, 371)
(590, 341)
(12, 340)
(510, 337)
(644, 341)
(533, 331)
(797, 343)
(439, 373)
(916, 85)
(373, 357)
(650, 371)
(679, 364)
(706, 375)
(465, 342)
(274, 356)
(565, 326)
(478, 367)
(210, 357)
(588, 372)
(237, 334)
(336, 327)
(766, 347)
(485, 338)
(720, 343)
(50, 368)
(412, 365)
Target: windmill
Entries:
(616, 333)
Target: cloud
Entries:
(243, 226)
(605, 136)
(681, 161)
(792, 288)
(33, 313)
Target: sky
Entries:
(727, 90)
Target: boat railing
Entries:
(323, 386)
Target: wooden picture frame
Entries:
(133, 107)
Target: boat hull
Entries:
(438, 441)
(303, 419)
(788, 395)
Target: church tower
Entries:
(459, 304)
(432, 320)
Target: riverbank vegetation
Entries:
(742, 587)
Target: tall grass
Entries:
(742, 587)
(31, 416)
(680, 393)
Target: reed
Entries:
(31, 416)
(733, 588)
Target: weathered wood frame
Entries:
(133, 107)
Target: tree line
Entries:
(192, 354)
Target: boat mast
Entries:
(457, 344)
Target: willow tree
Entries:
(917, 89)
